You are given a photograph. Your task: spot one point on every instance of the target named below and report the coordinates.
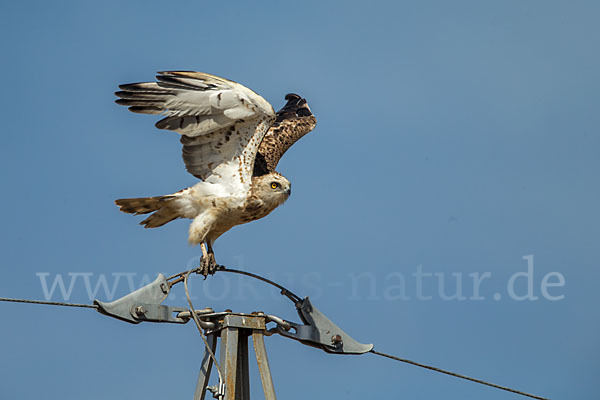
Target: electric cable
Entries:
(49, 303)
(286, 292)
(442, 371)
(183, 276)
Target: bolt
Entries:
(213, 389)
(140, 310)
(164, 288)
(336, 340)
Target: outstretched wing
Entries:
(293, 121)
(222, 123)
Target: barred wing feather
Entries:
(293, 121)
(222, 123)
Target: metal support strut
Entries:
(234, 331)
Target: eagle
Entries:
(232, 141)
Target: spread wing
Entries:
(222, 123)
(293, 121)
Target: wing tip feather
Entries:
(145, 110)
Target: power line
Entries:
(404, 360)
(285, 292)
(182, 276)
(49, 303)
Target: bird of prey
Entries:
(232, 140)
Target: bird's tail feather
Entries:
(159, 206)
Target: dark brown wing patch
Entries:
(293, 121)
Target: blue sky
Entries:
(453, 138)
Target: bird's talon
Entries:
(208, 265)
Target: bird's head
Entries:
(272, 188)
(296, 107)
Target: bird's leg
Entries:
(211, 257)
(203, 260)
(207, 262)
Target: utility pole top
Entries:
(233, 329)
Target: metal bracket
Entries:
(319, 331)
(234, 329)
(144, 305)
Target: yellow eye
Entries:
(274, 185)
